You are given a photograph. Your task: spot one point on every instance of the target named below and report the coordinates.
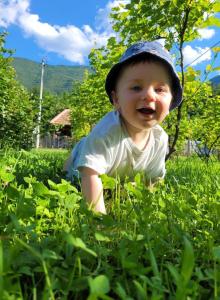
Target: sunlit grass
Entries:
(161, 243)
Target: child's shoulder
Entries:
(109, 125)
(159, 133)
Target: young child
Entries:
(143, 87)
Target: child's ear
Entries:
(114, 99)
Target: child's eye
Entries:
(136, 88)
(160, 89)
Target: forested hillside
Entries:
(216, 83)
(57, 79)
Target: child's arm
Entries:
(92, 189)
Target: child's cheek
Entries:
(163, 108)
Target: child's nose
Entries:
(149, 94)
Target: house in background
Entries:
(61, 138)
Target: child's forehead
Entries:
(147, 69)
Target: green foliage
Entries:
(203, 113)
(57, 79)
(200, 116)
(16, 115)
(88, 104)
(161, 243)
(52, 105)
(216, 82)
(99, 286)
(40, 164)
(176, 21)
(89, 100)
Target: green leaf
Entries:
(13, 192)
(1, 267)
(26, 270)
(64, 186)
(78, 243)
(29, 179)
(216, 69)
(216, 7)
(102, 238)
(174, 273)
(208, 68)
(99, 285)
(108, 182)
(40, 189)
(153, 262)
(142, 294)
(187, 261)
(52, 184)
(25, 209)
(161, 203)
(47, 253)
(120, 291)
(216, 253)
(5, 176)
(212, 21)
(216, 49)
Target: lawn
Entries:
(153, 244)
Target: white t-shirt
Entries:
(108, 149)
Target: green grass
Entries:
(157, 244)
(43, 164)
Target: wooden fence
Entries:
(55, 141)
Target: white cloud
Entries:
(11, 10)
(206, 33)
(191, 54)
(103, 21)
(71, 42)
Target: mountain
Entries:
(215, 81)
(57, 79)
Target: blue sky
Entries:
(64, 31)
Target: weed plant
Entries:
(43, 164)
(159, 243)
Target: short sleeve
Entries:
(94, 154)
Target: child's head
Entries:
(143, 52)
(144, 85)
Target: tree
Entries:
(51, 106)
(177, 21)
(16, 115)
(204, 115)
(89, 101)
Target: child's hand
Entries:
(92, 189)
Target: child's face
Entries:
(143, 95)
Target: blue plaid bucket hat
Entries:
(155, 49)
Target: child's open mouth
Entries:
(146, 111)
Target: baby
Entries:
(143, 88)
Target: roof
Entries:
(62, 118)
